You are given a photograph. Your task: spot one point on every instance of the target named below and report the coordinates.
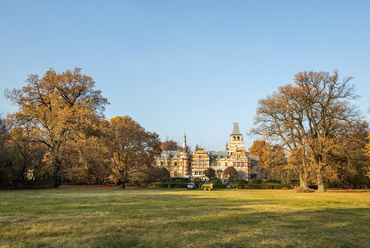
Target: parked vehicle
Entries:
(207, 186)
(191, 186)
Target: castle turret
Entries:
(185, 162)
(236, 139)
(236, 129)
(184, 143)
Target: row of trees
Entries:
(322, 135)
(59, 132)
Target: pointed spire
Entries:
(236, 129)
(184, 142)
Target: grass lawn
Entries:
(111, 217)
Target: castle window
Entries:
(219, 164)
(225, 164)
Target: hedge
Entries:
(165, 185)
(255, 181)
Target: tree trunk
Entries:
(55, 182)
(320, 180)
(303, 175)
(170, 181)
(124, 177)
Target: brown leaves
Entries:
(169, 145)
(308, 115)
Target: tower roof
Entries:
(184, 142)
(236, 128)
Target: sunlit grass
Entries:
(183, 218)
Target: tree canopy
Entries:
(169, 145)
(129, 146)
(55, 107)
(306, 117)
(210, 173)
(60, 131)
(230, 171)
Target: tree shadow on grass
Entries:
(321, 228)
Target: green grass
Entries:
(183, 218)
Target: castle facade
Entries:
(185, 163)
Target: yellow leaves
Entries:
(367, 148)
(260, 148)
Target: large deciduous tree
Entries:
(128, 147)
(305, 116)
(56, 106)
(4, 136)
(348, 164)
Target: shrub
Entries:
(271, 181)
(179, 185)
(241, 183)
(217, 184)
(232, 179)
(197, 181)
(180, 179)
(255, 181)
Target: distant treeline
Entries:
(60, 135)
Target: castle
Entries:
(184, 163)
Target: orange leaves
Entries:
(130, 146)
(169, 145)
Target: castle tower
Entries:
(184, 155)
(184, 142)
(236, 139)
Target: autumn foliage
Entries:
(169, 145)
(320, 131)
(59, 133)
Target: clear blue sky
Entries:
(193, 66)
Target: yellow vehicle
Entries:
(207, 186)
